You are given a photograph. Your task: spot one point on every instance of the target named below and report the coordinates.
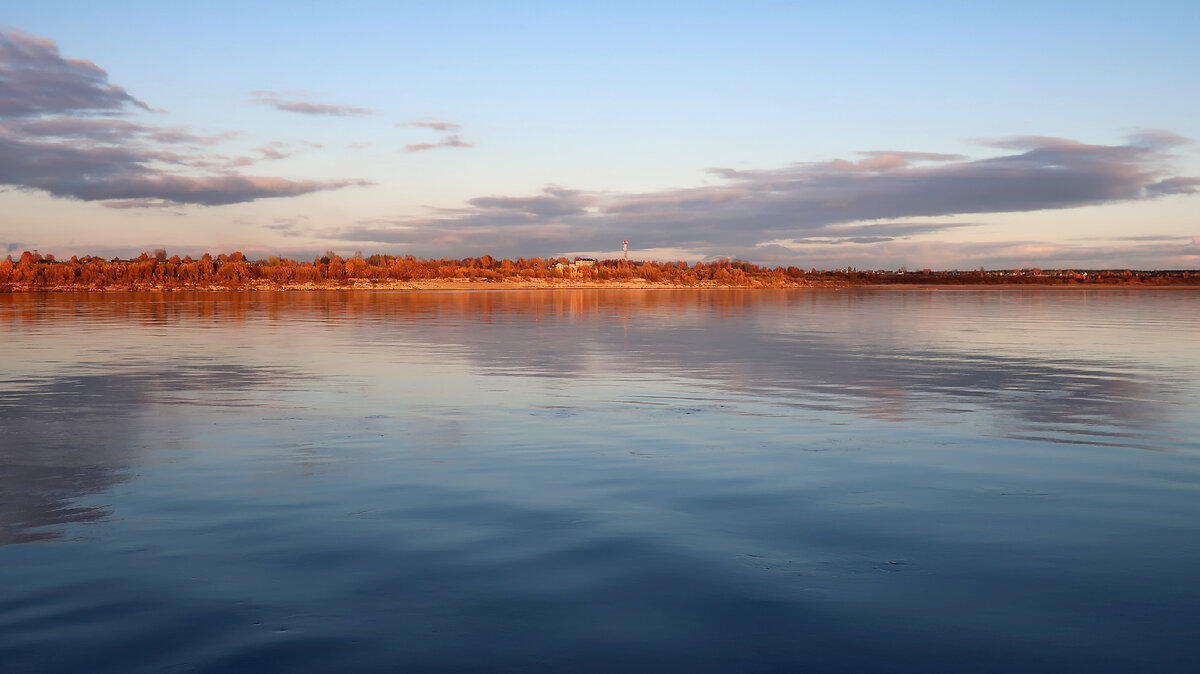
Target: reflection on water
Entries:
(60, 442)
(595, 480)
(71, 436)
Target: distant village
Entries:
(156, 270)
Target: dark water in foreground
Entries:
(601, 481)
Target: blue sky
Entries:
(875, 135)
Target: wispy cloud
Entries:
(446, 141)
(278, 149)
(449, 140)
(278, 101)
(289, 227)
(62, 132)
(792, 207)
(433, 124)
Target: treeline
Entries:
(156, 270)
(1050, 277)
(233, 270)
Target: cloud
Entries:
(913, 156)
(1049, 173)
(877, 233)
(127, 204)
(274, 150)
(276, 100)
(1147, 237)
(555, 202)
(833, 202)
(95, 168)
(446, 141)
(35, 80)
(1175, 186)
(450, 140)
(1157, 139)
(992, 255)
(204, 190)
(433, 124)
(61, 132)
(279, 149)
(289, 227)
(99, 130)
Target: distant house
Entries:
(574, 268)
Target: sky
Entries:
(878, 135)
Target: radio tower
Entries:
(625, 248)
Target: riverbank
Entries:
(435, 285)
(34, 272)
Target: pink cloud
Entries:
(275, 100)
(447, 141)
(433, 124)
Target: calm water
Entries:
(601, 481)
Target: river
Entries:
(590, 480)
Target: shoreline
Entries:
(436, 285)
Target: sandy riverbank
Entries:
(416, 285)
(567, 284)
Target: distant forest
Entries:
(155, 270)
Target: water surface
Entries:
(587, 480)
